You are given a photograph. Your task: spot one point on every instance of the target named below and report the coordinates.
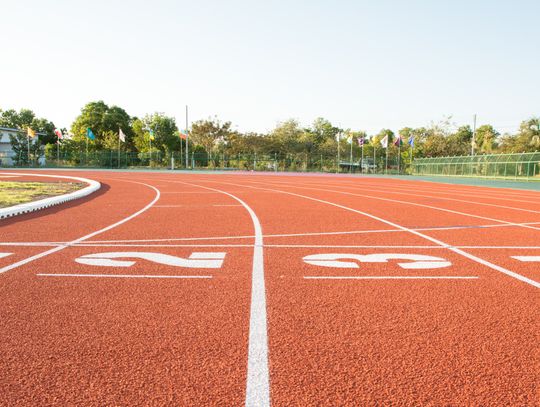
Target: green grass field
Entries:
(14, 193)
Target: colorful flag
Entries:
(411, 141)
(398, 140)
(121, 135)
(183, 134)
(31, 133)
(349, 138)
(58, 133)
(89, 134)
(361, 141)
(384, 141)
(152, 138)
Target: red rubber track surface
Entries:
(148, 341)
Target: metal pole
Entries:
(374, 158)
(386, 164)
(473, 135)
(350, 158)
(338, 158)
(187, 141)
(87, 150)
(119, 151)
(28, 148)
(362, 158)
(399, 158)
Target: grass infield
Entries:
(15, 193)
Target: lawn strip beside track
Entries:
(85, 237)
(468, 341)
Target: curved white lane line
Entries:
(523, 225)
(51, 201)
(414, 232)
(81, 239)
(258, 375)
(386, 191)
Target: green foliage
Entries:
(166, 139)
(26, 118)
(104, 121)
(21, 146)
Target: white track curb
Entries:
(52, 201)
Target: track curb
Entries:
(21, 209)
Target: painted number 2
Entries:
(345, 260)
(212, 260)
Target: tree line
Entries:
(158, 133)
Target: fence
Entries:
(202, 161)
(515, 166)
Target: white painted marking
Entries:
(226, 205)
(390, 277)
(120, 276)
(258, 375)
(10, 176)
(414, 232)
(419, 261)
(195, 260)
(81, 239)
(527, 258)
(2, 255)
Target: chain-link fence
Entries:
(516, 166)
(301, 162)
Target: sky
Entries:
(363, 65)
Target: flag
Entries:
(31, 133)
(361, 141)
(349, 139)
(89, 134)
(384, 141)
(152, 138)
(397, 142)
(58, 133)
(121, 135)
(182, 134)
(411, 141)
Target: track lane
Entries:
(348, 342)
(131, 341)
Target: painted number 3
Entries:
(344, 260)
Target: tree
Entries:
(209, 133)
(486, 138)
(103, 120)
(164, 130)
(26, 118)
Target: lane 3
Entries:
(394, 341)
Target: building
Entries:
(6, 153)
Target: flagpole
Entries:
(386, 164)
(28, 147)
(57, 150)
(338, 155)
(362, 159)
(187, 143)
(374, 158)
(118, 149)
(399, 158)
(350, 159)
(87, 149)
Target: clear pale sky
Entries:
(360, 64)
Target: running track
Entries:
(267, 327)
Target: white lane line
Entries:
(120, 276)
(523, 225)
(258, 375)
(527, 258)
(386, 191)
(226, 205)
(390, 277)
(81, 239)
(10, 176)
(414, 232)
(352, 232)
